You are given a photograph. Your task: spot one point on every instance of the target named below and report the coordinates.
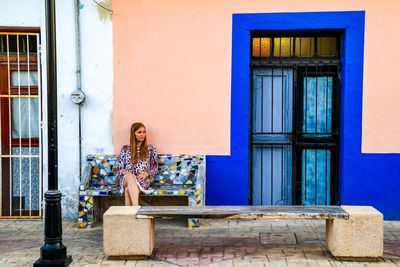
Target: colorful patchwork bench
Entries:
(178, 176)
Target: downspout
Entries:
(78, 96)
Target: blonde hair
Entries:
(144, 152)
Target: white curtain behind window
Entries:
(29, 115)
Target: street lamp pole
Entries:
(53, 252)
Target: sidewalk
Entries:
(215, 243)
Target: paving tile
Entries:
(246, 263)
(396, 262)
(223, 263)
(215, 243)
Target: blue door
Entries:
(295, 117)
(294, 135)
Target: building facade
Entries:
(292, 102)
(87, 50)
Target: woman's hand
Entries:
(143, 175)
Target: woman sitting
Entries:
(136, 170)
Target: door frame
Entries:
(233, 169)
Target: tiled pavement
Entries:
(215, 243)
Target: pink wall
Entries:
(172, 63)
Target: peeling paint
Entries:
(69, 202)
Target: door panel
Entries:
(315, 176)
(317, 122)
(272, 100)
(272, 168)
(316, 140)
(272, 136)
(317, 105)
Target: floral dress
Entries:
(150, 166)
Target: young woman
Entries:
(137, 163)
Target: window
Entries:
(284, 46)
(20, 118)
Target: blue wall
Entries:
(365, 179)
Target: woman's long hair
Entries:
(144, 152)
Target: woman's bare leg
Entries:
(133, 190)
(128, 201)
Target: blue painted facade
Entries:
(365, 179)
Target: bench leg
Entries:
(194, 201)
(85, 217)
(125, 235)
(358, 238)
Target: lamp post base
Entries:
(56, 263)
(53, 252)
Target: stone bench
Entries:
(180, 178)
(352, 232)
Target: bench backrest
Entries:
(102, 170)
(179, 169)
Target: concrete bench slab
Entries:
(360, 237)
(126, 234)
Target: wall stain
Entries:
(104, 14)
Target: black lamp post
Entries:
(53, 252)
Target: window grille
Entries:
(301, 46)
(295, 117)
(20, 117)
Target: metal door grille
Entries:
(20, 134)
(271, 138)
(295, 113)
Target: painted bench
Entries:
(352, 232)
(178, 176)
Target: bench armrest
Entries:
(85, 179)
(201, 177)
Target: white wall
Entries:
(97, 79)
